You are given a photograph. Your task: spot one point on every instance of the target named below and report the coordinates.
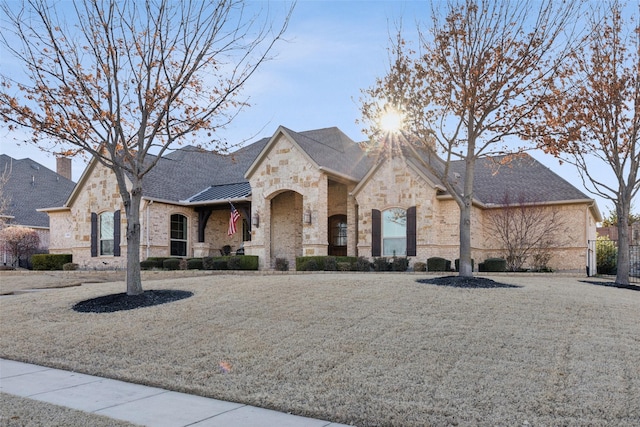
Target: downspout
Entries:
(147, 227)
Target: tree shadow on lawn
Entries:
(466, 282)
(119, 302)
(612, 285)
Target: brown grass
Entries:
(368, 349)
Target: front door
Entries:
(338, 235)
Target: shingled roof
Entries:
(331, 149)
(194, 175)
(32, 186)
(188, 171)
(522, 177)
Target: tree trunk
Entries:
(132, 201)
(465, 240)
(466, 269)
(623, 208)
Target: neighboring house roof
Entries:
(32, 186)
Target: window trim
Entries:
(185, 231)
(102, 237)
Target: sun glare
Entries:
(391, 120)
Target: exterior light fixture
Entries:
(255, 220)
(307, 217)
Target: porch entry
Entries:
(286, 227)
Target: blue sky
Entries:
(333, 50)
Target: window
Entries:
(178, 235)
(394, 232)
(106, 233)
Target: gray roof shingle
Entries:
(194, 175)
(32, 186)
(332, 149)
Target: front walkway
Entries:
(135, 403)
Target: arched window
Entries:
(394, 232)
(178, 235)
(106, 233)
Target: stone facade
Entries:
(292, 201)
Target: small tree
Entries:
(20, 242)
(125, 81)
(482, 68)
(527, 231)
(591, 118)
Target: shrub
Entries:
(606, 256)
(312, 265)
(156, 262)
(381, 264)
(344, 266)
(148, 265)
(438, 264)
(457, 264)
(419, 266)
(248, 262)
(234, 263)
(194, 264)
(495, 265)
(171, 264)
(399, 264)
(70, 266)
(330, 264)
(220, 263)
(363, 264)
(282, 264)
(207, 263)
(50, 261)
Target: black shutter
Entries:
(376, 232)
(116, 233)
(94, 234)
(411, 231)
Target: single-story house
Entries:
(28, 186)
(311, 193)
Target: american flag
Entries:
(233, 218)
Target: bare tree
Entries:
(126, 80)
(20, 242)
(528, 231)
(481, 69)
(594, 115)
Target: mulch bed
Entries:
(465, 282)
(612, 285)
(119, 302)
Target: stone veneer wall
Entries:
(284, 168)
(71, 230)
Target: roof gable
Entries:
(328, 149)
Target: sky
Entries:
(333, 50)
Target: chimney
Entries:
(63, 167)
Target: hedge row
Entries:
(50, 261)
(240, 262)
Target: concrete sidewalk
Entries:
(135, 403)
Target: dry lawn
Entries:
(368, 349)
